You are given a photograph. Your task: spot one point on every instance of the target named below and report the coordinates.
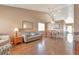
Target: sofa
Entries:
(31, 36)
(5, 44)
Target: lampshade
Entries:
(16, 29)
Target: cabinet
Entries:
(16, 40)
(77, 47)
(56, 29)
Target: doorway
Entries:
(69, 33)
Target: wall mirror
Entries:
(27, 25)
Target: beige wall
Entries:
(11, 17)
(76, 20)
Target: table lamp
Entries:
(16, 31)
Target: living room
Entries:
(36, 29)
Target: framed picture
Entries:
(27, 25)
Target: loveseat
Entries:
(31, 36)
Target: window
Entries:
(41, 27)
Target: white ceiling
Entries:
(66, 10)
(39, 7)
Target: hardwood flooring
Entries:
(45, 46)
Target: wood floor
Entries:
(45, 46)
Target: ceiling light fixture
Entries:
(51, 13)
